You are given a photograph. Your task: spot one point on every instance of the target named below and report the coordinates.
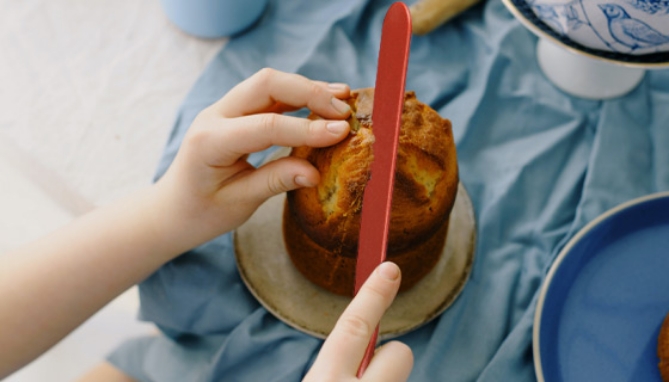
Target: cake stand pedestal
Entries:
(585, 76)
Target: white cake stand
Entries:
(583, 75)
(582, 72)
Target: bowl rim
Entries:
(541, 30)
(560, 258)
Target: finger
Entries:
(275, 177)
(392, 362)
(268, 87)
(246, 135)
(339, 90)
(345, 346)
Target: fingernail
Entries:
(339, 105)
(337, 127)
(337, 86)
(389, 271)
(303, 181)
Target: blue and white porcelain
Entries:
(605, 297)
(631, 31)
(634, 27)
(597, 49)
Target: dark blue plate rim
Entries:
(564, 253)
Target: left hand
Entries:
(209, 190)
(212, 188)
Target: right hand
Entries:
(345, 347)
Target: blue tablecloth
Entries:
(537, 163)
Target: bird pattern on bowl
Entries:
(629, 27)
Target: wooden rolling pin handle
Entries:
(426, 15)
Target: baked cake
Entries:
(663, 349)
(321, 224)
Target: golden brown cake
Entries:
(663, 349)
(321, 224)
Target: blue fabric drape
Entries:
(538, 165)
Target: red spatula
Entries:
(386, 115)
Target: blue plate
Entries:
(604, 299)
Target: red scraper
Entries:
(386, 116)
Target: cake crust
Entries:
(663, 349)
(322, 223)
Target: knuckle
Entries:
(316, 91)
(196, 137)
(319, 97)
(264, 75)
(314, 127)
(268, 123)
(355, 326)
(206, 112)
(276, 184)
(200, 129)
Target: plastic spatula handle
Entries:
(386, 117)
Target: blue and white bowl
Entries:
(634, 32)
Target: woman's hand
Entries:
(209, 190)
(344, 349)
(211, 187)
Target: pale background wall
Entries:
(88, 93)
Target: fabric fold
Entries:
(537, 164)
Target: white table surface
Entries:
(88, 94)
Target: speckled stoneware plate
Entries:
(269, 274)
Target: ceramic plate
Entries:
(269, 274)
(605, 297)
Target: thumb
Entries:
(392, 362)
(276, 177)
